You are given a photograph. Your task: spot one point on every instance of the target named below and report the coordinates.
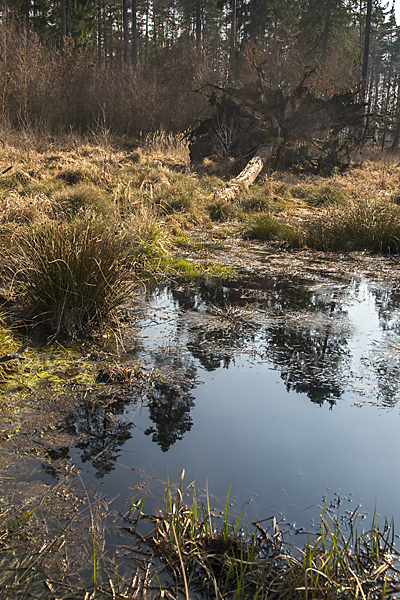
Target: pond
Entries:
(284, 381)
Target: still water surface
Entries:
(287, 386)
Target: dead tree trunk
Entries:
(247, 176)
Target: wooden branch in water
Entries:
(14, 355)
(248, 175)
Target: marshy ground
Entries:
(87, 227)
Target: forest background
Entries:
(131, 66)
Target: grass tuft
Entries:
(73, 273)
(221, 210)
(84, 197)
(364, 225)
(321, 194)
(266, 227)
(230, 563)
(255, 200)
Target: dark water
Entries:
(286, 385)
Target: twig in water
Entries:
(14, 355)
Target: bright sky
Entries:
(397, 9)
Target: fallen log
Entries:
(248, 175)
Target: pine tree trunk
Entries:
(364, 72)
(134, 35)
(326, 31)
(105, 33)
(63, 23)
(198, 24)
(99, 31)
(125, 29)
(396, 132)
(233, 40)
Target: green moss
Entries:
(8, 344)
(190, 270)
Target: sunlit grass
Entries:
(320, 194)
(268, 227)
(73, 274)
(365, 225)
(339, 562)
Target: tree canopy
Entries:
(174, 44)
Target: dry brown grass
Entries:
(167, 147)
(69, 175)
(378, 177)
(26, 209)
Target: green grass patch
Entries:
(321, 194)
(363, 225)
(266, 227)
(147, 241)
(188, 269)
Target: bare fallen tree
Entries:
(248, 175)
(315, 134)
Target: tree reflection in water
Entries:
(170, 413)
(103, 431)
(301, 327)
(311, 356)
(383, 359)
(300, 331)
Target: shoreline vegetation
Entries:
(55, 548)
(85, 223)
